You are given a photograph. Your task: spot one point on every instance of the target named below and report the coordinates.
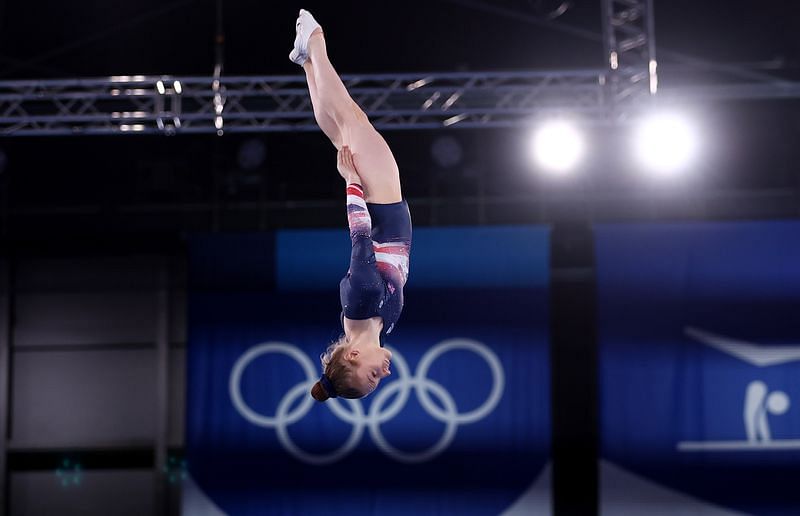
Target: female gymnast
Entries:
(371, 292)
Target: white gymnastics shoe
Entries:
(306, 25)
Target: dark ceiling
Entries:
(93, 38)
(135, 183)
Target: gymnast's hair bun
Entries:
(318, 393)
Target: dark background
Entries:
(96, 202)
(145, 184)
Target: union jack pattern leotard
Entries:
(379, 261)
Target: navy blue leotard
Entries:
(381, 238)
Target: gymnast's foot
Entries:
(306, 27)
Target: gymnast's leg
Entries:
(343, 121)
(325, 122)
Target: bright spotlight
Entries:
(665, 143)
(558, 146)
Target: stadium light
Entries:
(557, 145)
(665, 143)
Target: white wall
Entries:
(83, 376)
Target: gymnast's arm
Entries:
(357, 213)
(358, 217)
(360, 223)
(364, 278)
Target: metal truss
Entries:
(629, 39)
(139, 104)
(170, 105)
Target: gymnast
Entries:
(371, 292)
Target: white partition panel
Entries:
(177, 396)
(177, 316)
(83, 398)
(53, 319)
(94, 301)
(99, 493)
(84, 365)
(95, 273)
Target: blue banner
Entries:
(699, 333)
(462, 426)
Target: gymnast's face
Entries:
(371, 364)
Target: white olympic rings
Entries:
(356, 416)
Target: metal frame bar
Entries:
(169, 105)
(6, 322)
(629, 40)
(162, 387)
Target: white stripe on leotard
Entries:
(356, 200)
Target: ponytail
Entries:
(318, 393)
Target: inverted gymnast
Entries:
(371, 292)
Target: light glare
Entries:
(666, 143)
(558, 146)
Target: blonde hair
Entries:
(338, 371)
(327, 356)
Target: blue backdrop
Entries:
(461, 427)
(699, 331)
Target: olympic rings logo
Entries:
(356, 416)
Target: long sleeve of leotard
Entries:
(364, 285)
(357, 213)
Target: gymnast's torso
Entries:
(379, 262)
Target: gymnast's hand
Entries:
(347, 166)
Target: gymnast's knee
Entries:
(350, 117)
